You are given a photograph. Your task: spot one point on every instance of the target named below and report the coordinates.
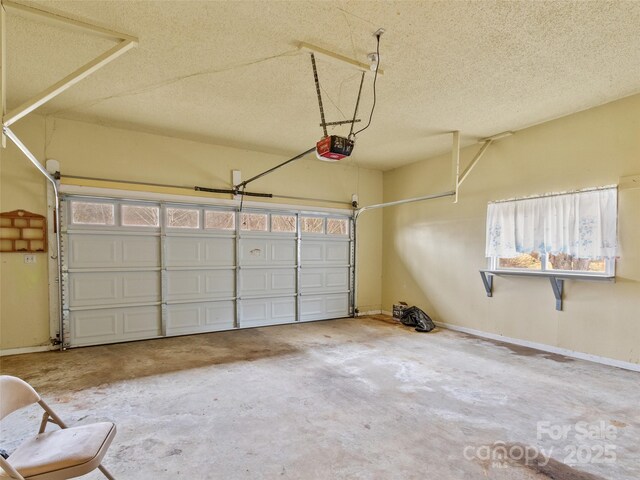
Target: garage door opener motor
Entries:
(331, 148)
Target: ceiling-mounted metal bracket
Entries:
(337, 58)
(455, 163)
(455, 158)
(125, 43)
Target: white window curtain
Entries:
(582, 224)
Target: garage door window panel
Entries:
(337, 226)
(312, 224)
(184, 218)
(283, 223)
(254, 222)
(92, 213)
(140, 216)
(219, 220)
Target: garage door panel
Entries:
(141, 286)
(220, 283)
(183, 317)
(311, 279)
(264, 281)
(318, 252)
(262, 251)
(90, 327)
(321, 307)
(337, 252)
(184, 285)
(183, 251)
(92, 288)
(140, 250)
(200, 317)
(253, 251)
(252, 312)
(219, 315)
(283, 252)
(338, 279)
(219, 251)
(112, 288)
(268, 311)
(139, 321)
(311, 252)
(200, 284)
(92, 323)
(337, 305)
(91, 251)
(324, 280)
(113, 251)
(199, 251)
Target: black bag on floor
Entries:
(414, 317)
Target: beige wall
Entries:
(86, 149)
(432, 251)
(24, 294)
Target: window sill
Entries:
(556, 279)
(550, 273)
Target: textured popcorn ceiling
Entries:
(230, 72)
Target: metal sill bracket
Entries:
(487, 280)
(556, 280)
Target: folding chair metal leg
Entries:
(10, 470)
(106, 473)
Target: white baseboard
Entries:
(370, 312)
(18, 351)
(384, 312)
(545, 348)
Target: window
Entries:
(183, 218)
(337, 226)
(524, 261)
(562, 261)
(283, 223)
(574, 232)
(140, 216)
(219, 220)
(312, 224)
(88, 213)
(253, 221)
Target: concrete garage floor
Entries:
(345, 399)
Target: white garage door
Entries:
(135, 270)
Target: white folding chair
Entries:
(56, 455)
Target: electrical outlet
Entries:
(29, 259)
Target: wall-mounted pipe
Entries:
(23, 148)
(360, 211)
(455, 163)
(402, 202)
